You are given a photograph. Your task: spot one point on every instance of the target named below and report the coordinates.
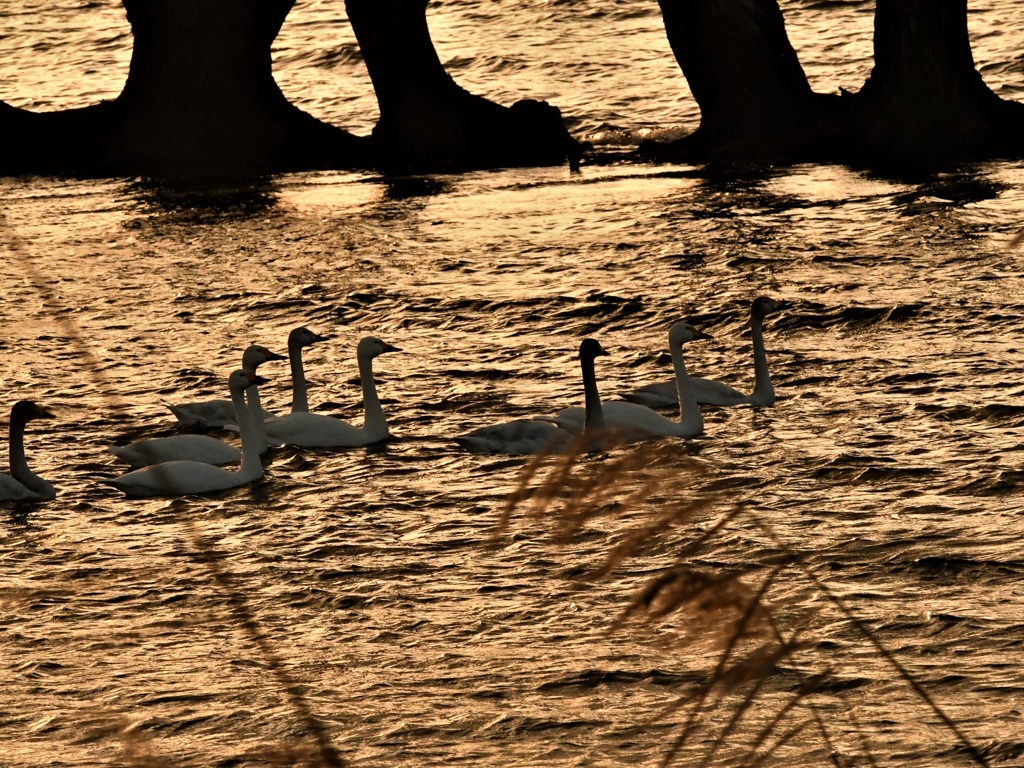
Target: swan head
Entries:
(25, 411)
(303, 337)
(241, 380)
(255, 355)
(680, 333)
(591, 349)
(370, 346)
(764, 305)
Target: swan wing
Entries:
(201, 448)
(660, 395)
(314, 430)
(522, 436)
(206, 413)
(177, 478)
(705, 391)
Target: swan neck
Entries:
(762, 379)
(19, 464)
(689, 412)
(252, 465)
(373, 414)
(259, 426)
(16, 451)
(593, 418)
(300, 400)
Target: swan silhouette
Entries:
(534, 436)
(183, 478)
(220, 413)
(712, 392)
(314, 430)
(204, 448)
(635, 421)
(22, 483)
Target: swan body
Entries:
(632, 420)
(314, 430)
(22, 483)
(184, 477)
(713, 392)
(524, 436)
(220, 413)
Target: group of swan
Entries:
(188, 464)
(184, 464)
(635, 418)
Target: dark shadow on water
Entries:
(199, 204)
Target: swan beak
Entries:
(43, 413)
(255, 378)
(602, 352)
(699, 334)
(317, 337)
(275, 356)
(388, 348)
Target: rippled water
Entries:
(892, 462)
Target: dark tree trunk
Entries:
(427, 121)
(924, 98)
(200, 100)
(754, 98)
(924, 104)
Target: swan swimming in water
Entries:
(22, 483)
(204, 448)
(712, 392)
(221, 413)
(314, 430)
(183, 478)
(535, 436)
(632, 420)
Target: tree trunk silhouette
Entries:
(925, 98)
(754, 98)
(427, 121)
(200, 100)
(924, 103)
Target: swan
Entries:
(712, 392)
(639, 421)
(533, 435)
(204, 448)
(314, 430)
(220, 413)
(22, 483)
(182, 478)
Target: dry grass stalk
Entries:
(569, 491)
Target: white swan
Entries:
(22, 483)
(712, 392)
(220, 413)
(314, 430)
(204, 448)
(632, 420)
(534, 436)
(182, 478)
